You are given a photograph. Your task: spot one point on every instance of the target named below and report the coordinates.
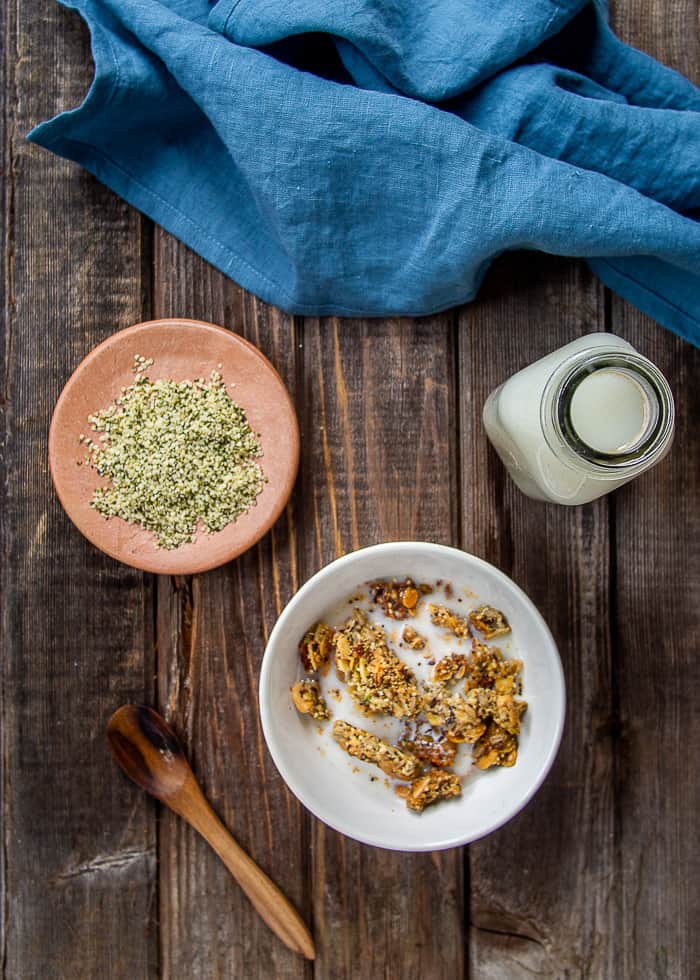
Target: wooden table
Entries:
(597, 878)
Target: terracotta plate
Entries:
(180, 349)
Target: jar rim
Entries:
(564, 441)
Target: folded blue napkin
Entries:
(372, 157)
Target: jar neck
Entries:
(566, 443)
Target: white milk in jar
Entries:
(581, 421)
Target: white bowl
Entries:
(339, 790)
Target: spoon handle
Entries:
(266, 898)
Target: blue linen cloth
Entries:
(372, 157)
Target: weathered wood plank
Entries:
(378, 459)
(657, 529)
(667, 31)
(542, 889)
(211, 636)
(76, 627)
(4, 291)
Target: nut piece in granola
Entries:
(434, 786)
(489, 622)
(442, 616)
(377, 680)
(507, 713)
(397, 599)
(429, 745)
(308, 700)
(395, 762)
(486, 667)
(451, 668)
(496, 747)
(413, 639)
(482, 700)
(315, 648)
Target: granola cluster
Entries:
(429, 744)
(442, 616)
(457, 716)
(471, 699)
(398, 600)
(489, 622)
(308, 700)
(435, 785)
(450, 668)
(395, 762)
(315, 648)
(488, 668)
(413, 639)
(377, 680)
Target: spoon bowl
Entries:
(155, 761)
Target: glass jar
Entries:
(581, 421)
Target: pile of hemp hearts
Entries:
(177, 454)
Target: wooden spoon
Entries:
(149, 752)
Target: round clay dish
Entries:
(180, 349)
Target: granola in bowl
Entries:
(457, 697)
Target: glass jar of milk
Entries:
(581, 421)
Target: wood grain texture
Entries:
(596, 879)
(657, 624)
(5, 237)
(542, 897)
(211, 635)
(79, 842)
(379, 458)
(657, 621)
(666, 31)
